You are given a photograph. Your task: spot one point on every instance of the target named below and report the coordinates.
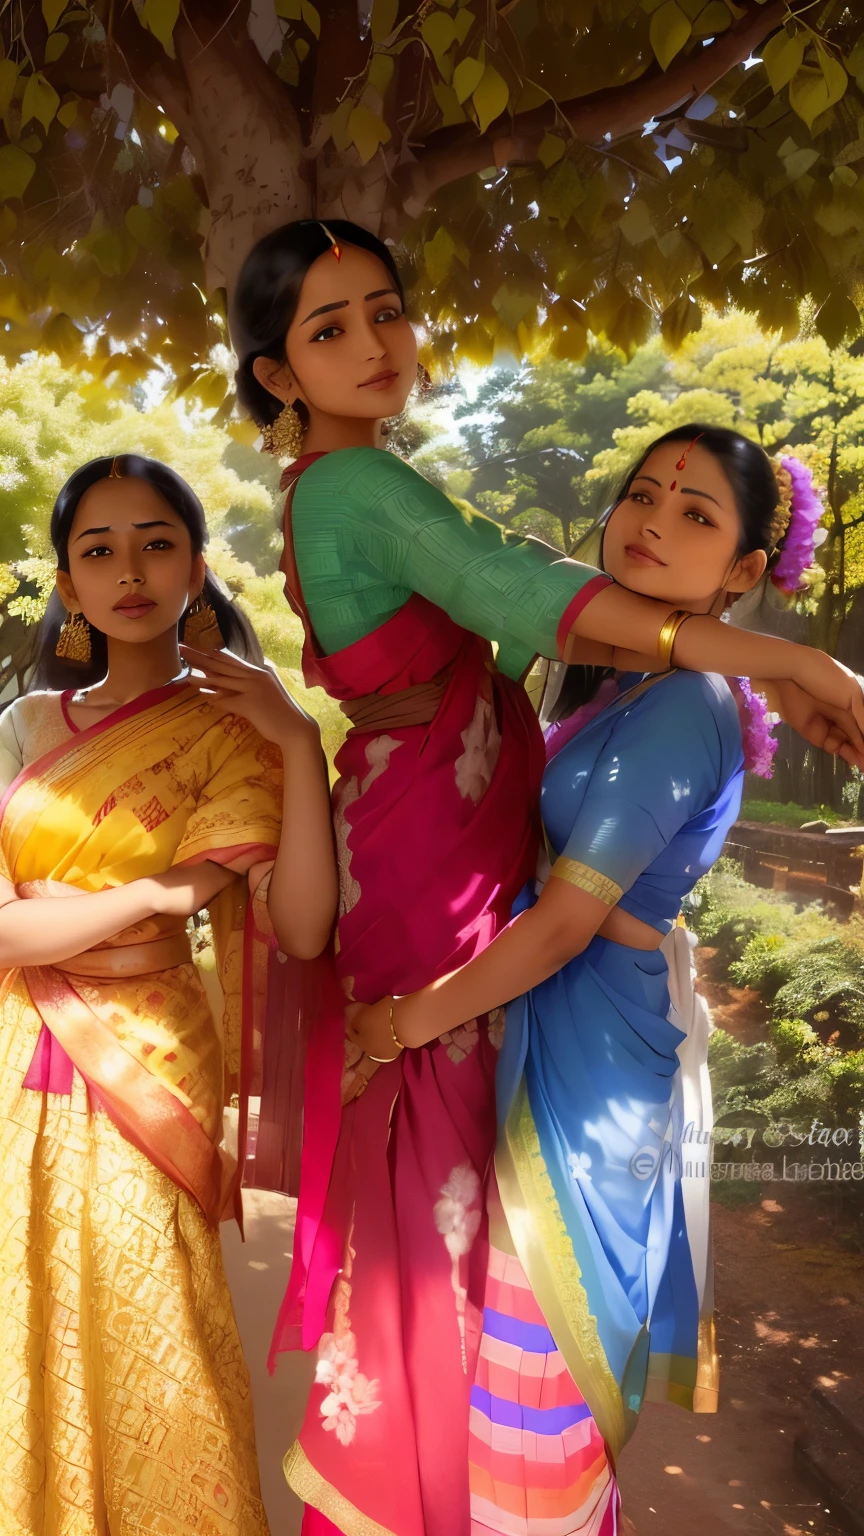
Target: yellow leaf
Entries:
(551, 150)
(16, 169)
(160, 18)
(635, 225)
(311, 18)
(289, 10)
(669, 31)
(62, 336)
(680, 319)
(438, 33)
(8, 224)
(713, 19)
(8, 82)
(301, 48)
(366, 131)
(55, 45)
(837, 319)
(52, 10)
(451, 112)
(147, 230)
(381, 71)
(40, 101)
(815, 88)
(384, 14)
(490, 98)
(463, 22)
(438, 254)
(466, 78)
(245, 431)
(783, 56)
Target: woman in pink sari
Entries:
(401, 596)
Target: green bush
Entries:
(778, 814)
(825, 986)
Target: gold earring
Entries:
(202, 627)
(73, 641)
(284, 436)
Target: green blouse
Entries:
(368, 531)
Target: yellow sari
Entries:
(124, 1396)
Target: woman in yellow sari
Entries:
(126, 807)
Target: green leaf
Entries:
(311, 18)
(463, 22)
(384, 14)
(56, 44)
(783, 56)
(289, 10)
(562, 191)
(713, 19)
(490, 97)
(160, 18)
(551, 149)
(16, 169)
(147, 230)
(367, 131)
(837, 319)
(669, 31)
(40, 101)
(681, 319)
(8, 224)
(635, 225)
(381, 72)
(466, 78)
(8, 82)
(451, 112)
(52, 10)
(439, 33)
(438, 255)
(815, 88)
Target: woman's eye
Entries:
(699, 517)
(159, 544)
(641, 497)
(328, 332)
(388, 314)
(98, 549)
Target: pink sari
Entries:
(437, 833)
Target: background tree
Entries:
(634, 159)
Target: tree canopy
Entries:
(548, 169)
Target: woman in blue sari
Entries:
(599, 1287)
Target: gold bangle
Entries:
(667, 635)
(396, 1041)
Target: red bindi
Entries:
(682, 462)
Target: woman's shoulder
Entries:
(356, 473)
(29, 727)
(690, 700)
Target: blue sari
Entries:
(636, 807)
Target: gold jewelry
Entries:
(202, 627)
(284, 436)
(73, 641)
(396, 1041)
(668, 632)
(334, 243)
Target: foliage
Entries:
(777, 814)
(52, 419)
(634, 159)
(791, 1077)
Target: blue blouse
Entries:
(638, 804)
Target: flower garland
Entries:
(759, 743)
(798, 548)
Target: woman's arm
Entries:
(48, 929)
(533, 947)
(303, 887)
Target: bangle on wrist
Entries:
(396, 1041)
(668, 632)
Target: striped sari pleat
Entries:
(538, 1464)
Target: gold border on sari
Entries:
(545, 1250)
(308, 1484)
(587, 879)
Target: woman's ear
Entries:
(747, 572)
(63, 582)
(274, 377)
(196, 580)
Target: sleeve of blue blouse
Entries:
(661, 765)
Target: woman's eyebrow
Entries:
(325, 310)
(158, 522)
(380, 292)
(690, 490)
(644, 477)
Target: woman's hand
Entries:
(256, 693)
(184, 890)
(838, 688)
(824, 725)
(355, 1078)
(368, 1026)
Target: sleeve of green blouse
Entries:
(510, 589)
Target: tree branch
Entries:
(619, 110)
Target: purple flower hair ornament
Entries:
(797, 519)
(757, 739)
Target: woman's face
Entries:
(350, 349)
(132, 571)
(680, 545)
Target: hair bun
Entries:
(799, 512)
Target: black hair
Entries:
(267, 293)
(751, 475)
(54, 672)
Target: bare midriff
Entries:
(622, 928)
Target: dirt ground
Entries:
(790, 1315)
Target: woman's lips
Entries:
(381, 380)
(642, 556)
(137, 610)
